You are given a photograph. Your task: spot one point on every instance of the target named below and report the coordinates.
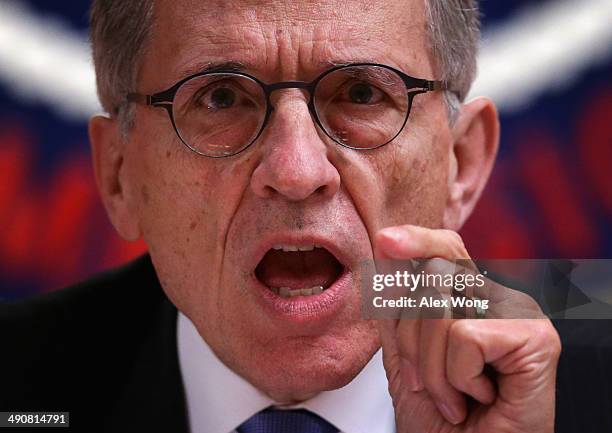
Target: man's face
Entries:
(212, 224)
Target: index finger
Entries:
(411, 242)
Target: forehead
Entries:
(292, 39)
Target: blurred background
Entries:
(547, 65)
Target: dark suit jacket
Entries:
(105, 351)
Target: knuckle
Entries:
(464, 331)
(455, 238)
(516, 304)
(545, 336)
(552, 340)
(527, 303)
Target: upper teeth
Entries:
(283, 247)
(287, 292)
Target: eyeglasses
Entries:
(221, 113)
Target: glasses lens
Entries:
(362, 107)
(219, 114)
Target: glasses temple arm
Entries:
(435, 85)
(139, 99)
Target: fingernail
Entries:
(397, 242)
(412, 377)
(392, 233)
(449, 413)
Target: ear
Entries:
(474, 147)
(108, 149)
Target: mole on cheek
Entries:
(193, 225)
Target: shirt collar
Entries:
(219, 400)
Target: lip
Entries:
(303, 309)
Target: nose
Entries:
(295, 164)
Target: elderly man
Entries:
(264, 150)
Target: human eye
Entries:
(360, 92)
(221, 95)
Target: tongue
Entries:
(299, 269)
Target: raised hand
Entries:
(465, 375)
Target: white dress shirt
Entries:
(219, 400)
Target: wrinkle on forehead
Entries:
(287, 37)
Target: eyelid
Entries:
(208, 87)
(383, 76)
(215, 82)
(222, 80)
(209, 80)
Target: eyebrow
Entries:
(347, 62)
(344, 61)
(236, 66)
(212, 66)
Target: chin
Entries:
(304, 367)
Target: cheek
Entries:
(184, 207)
(415, 179)
(173, 213)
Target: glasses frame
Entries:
(165, 99)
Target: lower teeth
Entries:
(287, 292)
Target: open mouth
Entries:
(298, 270)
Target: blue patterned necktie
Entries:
(286, 421)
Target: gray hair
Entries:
(453, 31)
(119, 30)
